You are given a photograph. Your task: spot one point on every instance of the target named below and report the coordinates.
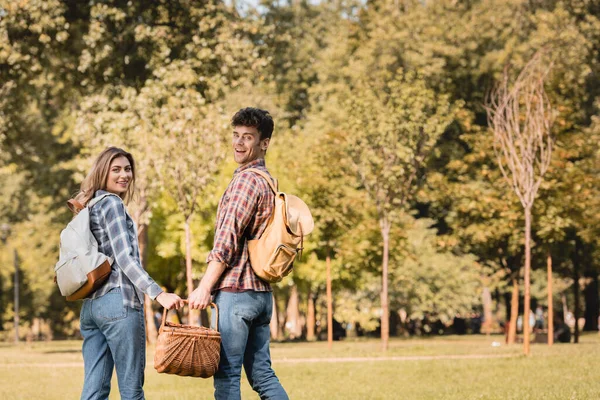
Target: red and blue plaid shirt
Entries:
(243, 213)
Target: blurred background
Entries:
(383, 128)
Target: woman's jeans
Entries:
(113, 336)
(245, 335)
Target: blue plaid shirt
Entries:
(116, 234)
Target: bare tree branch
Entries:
(521, 119)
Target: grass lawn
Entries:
(436, 368)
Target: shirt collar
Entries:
(259, 162)
(100, 192)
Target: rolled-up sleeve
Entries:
(235, 215)
(115, 220)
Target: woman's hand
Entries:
(170, 301)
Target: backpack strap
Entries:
(76, 206)
(274, 187)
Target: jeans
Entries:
(113, 336)
(245, 335)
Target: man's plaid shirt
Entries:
(116, 234)
(244, 210)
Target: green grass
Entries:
(565, 371)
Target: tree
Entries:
(337, 206)
(192, 153)
(521, 119)
(391, 129)
(430, 280)
(154, 73)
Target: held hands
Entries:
(200, 298)
(170, 301)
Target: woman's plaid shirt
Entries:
(116, 234)
(243, 213)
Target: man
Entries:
(245, 302)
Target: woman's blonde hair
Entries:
(96, 179)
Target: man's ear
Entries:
(264, 145)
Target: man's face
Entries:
(247, 145)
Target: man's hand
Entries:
(170, 300)
(200, 298)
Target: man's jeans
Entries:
(245, 335)
(113, 336)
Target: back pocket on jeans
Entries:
(110, 306)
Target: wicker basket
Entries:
(187, 350)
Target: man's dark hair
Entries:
(256, 118)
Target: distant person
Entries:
(475, 323)
(459, 325)
(112, 319)
(245, 301)
(562, 332)
(531, 320)
(539, 318)
(570, 320)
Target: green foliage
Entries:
(391, 128)
(433, 281)
(378, 110)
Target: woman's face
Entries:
(120, 176)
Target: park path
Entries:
(390, 358)
(302, 360)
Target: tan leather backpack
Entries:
(273, 254)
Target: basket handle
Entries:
(213, 305)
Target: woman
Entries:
(112, 319)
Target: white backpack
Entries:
(81, 268)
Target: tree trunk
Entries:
(527, 301)
(280, 324)
(329, 303)
(1, 302)
(385, 314)
(576, 269)
(36, 328)
(514, 312)
(310, 317)
(487, 311)
(550, 303)
(293, 314)
(507, 297)
(188, 268)
(151, 332)
(274, 324)
(16, 294)
(590, 294)
(142, 231)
